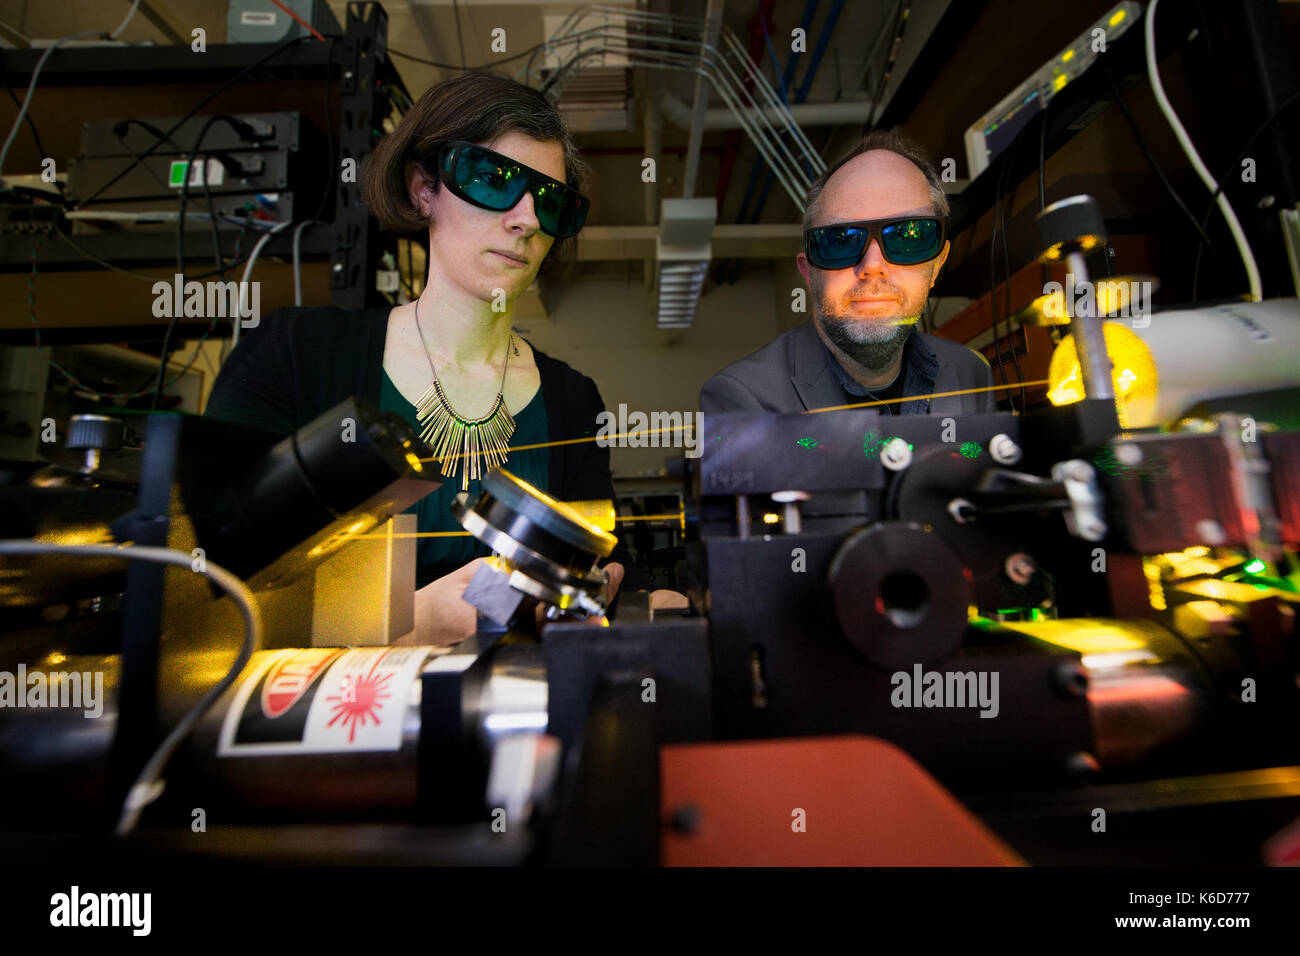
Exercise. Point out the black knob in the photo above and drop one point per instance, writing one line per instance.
(95, 431)
(1071, 225)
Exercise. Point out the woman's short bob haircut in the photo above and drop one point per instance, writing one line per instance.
(477, 107)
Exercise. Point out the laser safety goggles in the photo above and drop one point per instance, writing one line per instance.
(903, 242)
(491, 181)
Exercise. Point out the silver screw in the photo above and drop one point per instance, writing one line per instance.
(960, 508)
(1128, 454)
(1020, 567)
(896, 455)
(1004, 450)
(1093, 530)
(785, 497)
(1081, 471)
(1211, 532)
(1082, 764)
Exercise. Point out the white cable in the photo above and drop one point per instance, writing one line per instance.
(31, 87)
(297, 264)
(148, 785)
(1238, 236)
(248, 271)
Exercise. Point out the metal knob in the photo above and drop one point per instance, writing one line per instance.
(1069, 230)
(95, 434)
(1071, 225)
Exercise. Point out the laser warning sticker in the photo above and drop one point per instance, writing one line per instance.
(322, 700)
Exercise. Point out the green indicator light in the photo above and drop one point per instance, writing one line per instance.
(1255, 567)
(807, 442)
(176, 175)
(871, 444)
(970, 449)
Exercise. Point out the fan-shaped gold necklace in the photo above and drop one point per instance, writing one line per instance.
(481, 442)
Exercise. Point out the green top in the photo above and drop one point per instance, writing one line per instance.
(435, 557)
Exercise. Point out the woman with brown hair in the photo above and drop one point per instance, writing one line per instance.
(486, 166)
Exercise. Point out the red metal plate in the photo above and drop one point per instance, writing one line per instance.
(864, 802)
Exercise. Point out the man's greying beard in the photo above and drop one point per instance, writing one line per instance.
(874, 343)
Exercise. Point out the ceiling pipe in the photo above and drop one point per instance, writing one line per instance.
(654, 139)
(712, 27)
(757, 41)
(672, 43)
(805, 114)
(729, 268)
(802, 94)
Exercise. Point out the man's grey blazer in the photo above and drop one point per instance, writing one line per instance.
(792, 373)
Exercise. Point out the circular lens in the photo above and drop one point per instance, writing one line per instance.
(549, 206)
(911, 241)
(565, 210)
(838, 247)
(494, 185)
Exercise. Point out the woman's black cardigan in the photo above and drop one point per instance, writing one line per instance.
(297, 364)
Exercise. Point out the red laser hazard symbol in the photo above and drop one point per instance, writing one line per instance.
(359, 700)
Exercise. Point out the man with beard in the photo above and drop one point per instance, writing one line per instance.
(874, 241)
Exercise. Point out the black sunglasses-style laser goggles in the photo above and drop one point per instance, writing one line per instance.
(908, 241)
(491, 181)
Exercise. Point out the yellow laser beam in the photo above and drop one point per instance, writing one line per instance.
(460, 534)
(417, 534)
(811, 411)
(909, 398)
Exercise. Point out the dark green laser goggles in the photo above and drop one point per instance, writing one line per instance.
(491, 181)
(903, 242)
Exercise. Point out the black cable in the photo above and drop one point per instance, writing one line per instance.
(120, 130)
(1006, 265)
(460, 40)
(332, 157)
(212, 220)
(451, 66)
(44, 195)
(1004, 183)
(1146, 151)
(148, 169)
(993, 280)
(31, 125)
(244, 132)
(202, 103)
(104, 262)
(231, 167)
(891, 54)
(1228, 171)
(86, 253)
(1042, 158)
(76, 382)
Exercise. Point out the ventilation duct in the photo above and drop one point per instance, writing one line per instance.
(684, 249)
